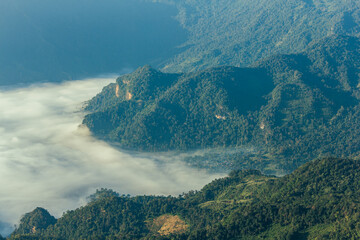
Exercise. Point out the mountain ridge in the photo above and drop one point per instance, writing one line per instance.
(253, 30)
(284, 105)
(190, 35)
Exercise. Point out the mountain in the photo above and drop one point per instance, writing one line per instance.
(317, 201)
(239, 33)
(289, 108)
(35, 221)
(160, 111)
(65, 40)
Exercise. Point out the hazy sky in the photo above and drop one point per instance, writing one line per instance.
(48, 160)
(44, 40)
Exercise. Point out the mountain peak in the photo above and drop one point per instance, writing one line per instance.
(144, 69)
(35, 221)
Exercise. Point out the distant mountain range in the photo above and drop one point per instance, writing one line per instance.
(64, 40)
(320, 200)
(43, 41)
(291, 108)
(239, 33)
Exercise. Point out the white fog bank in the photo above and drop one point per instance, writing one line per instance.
(48, 160)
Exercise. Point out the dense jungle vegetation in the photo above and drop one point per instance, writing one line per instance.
(320, 200)
(288, 109)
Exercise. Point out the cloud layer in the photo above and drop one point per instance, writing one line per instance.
(47, 159)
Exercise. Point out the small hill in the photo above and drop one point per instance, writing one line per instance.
(35, 222)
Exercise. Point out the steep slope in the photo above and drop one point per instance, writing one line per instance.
(35, 222)
(290, 108)
(197, 110)
(317, 201)
(314, 107)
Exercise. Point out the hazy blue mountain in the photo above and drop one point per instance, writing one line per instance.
(48, 41)
(317, 201)
(62, 40)
(291, 108)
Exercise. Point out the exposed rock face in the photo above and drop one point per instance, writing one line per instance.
(117, 91)
(129, 96)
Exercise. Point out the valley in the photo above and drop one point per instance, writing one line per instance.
(216, 119)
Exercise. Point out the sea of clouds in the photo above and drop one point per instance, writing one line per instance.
(48, 159)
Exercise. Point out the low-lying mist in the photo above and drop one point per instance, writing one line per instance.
(47, 159)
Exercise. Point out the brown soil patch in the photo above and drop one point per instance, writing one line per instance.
(169, 224)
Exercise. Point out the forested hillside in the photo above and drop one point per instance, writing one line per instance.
(317, 201)
(288, 108)
(230, 86)
(238, 33)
